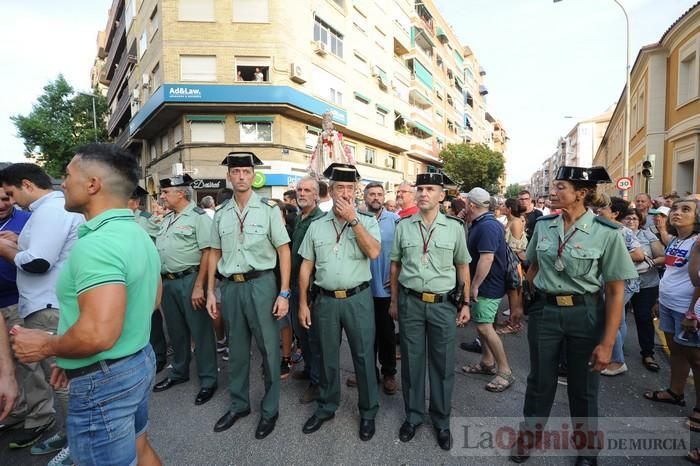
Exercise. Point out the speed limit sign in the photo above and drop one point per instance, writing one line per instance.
(624, 183)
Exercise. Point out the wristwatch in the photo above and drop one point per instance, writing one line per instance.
(354, 222)
(285, 294)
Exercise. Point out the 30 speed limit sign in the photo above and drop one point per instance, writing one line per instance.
(624, 183)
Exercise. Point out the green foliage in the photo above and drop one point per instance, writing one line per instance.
(60, 121)
(471, 165)
(513, 189)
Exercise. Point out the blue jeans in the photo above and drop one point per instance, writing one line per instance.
(108, 410)
(617, 354)
(307, 338)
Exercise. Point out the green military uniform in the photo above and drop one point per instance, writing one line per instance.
(343, 271)
(145, 221)
(248, 239)
(433, 276)
(180, 242)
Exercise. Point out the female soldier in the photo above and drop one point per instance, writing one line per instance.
(569, 253)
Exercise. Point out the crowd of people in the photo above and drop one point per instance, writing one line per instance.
(89, 319)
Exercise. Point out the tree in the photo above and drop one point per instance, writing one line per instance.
(513, 189)
(59, 122)
(471, 165)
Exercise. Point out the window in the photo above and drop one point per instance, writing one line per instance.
(359, 21)
(164, 143)
(196, 10)
(351, 149)
(143, 43)
(198, 68)
(689, 72)
(255, 69)
(156, 77)
(153, 25)
(328, 86)
(177, 134)
(250, 11)
(152, 150)
(641, 110)
(129, 13)
(207, 131)
(381, 116)
(311, 137)
(370, 155)
(391, 162)
(360, 64)
(255, 132)
(329, 36)
(633, 113)
(381, 38)
(361, 105)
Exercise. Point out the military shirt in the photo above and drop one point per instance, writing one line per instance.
(300, 228)
(447, 247)
(182, 237)
(248, 239)
(145, 221)
(343, 267)
(595, 250)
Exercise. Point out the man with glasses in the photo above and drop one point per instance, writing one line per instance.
(406, 199)
(542, 205)
(531, 214)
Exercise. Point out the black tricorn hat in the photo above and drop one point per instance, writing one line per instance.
(439, 179)
(592, 175)
(138, 192)
(175, 181)
(342, 172)
(241, 159)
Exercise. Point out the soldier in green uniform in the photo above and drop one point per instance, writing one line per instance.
(144, 219)
(570, 255)
(429, 260)
(340, 246)
(183, 245)
(247, 238)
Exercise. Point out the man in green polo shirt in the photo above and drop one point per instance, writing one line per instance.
(106, 290)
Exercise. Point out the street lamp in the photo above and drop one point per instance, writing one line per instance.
(94, 112)
(626, 143)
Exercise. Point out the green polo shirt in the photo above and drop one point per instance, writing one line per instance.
(447, 247)
(346, 267)
(300, 228)
(182, 237)
(595, 250)
(248, 239)
(111, 248)
(146, 221)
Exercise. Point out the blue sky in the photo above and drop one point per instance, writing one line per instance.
(543, 60)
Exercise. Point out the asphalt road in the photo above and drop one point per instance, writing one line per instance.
(182, 433)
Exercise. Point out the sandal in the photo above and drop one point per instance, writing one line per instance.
(650, 364)
(693, 456)
(677, 400)
(496, 386)
(509, 329)
(480, 368)
(693, 423)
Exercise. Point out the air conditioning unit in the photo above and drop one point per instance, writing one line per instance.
(135, 94)
(373, 70)
(296, 73)
(320, 48)
(146, 80)
(131, 58)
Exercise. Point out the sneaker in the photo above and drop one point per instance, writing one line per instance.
(297, 357)
(7, 427)
(310, 394)
(613, 372)
(473, 347)
(562, 380)
(62, 459)
(285, 368)
(56, 442)
(224, 357)
(221, 345)
(29, 437)
(506, 312)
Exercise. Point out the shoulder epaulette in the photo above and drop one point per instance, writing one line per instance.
(606, 222)
(452, 217)
(365, 213)
(145, 214)
(547, 217)
(403, 218)
(269, 202)
(199, 210)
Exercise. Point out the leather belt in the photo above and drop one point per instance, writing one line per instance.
(343, 294)
(431, 298)
(176, 275)
(567, 300)
(244, 277)
(94, 367)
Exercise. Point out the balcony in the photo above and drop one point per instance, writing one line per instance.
(122, 65)
(402, 39)
(121, 113)
(116, 48)
(417, 96)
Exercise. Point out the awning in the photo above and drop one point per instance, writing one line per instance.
(220, 118)
(419, 96)
(459, 59)
(459, 80)
(441, 34)
(420, 32)
(383, 108)
(361, 96)
(254, 119)
(483, 90)
(404, 116)
(422, 73)
(382, 75)
(422, 127)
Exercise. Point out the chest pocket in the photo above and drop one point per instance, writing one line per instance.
(580, 262)
(254, 234)
(226, 233)
(353, 249)
(443, 254)
(184, 233)
(545, 248)
(323, 249)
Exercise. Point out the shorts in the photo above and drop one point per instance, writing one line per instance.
(485, 310)
(670, 322)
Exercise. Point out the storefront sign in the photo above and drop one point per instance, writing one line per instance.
(206, 183)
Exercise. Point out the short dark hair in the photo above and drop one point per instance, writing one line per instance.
(458, 205)
(290, 193)
(514, 207)
(525, 191)
(618, 206)
(118, 160)
(372, 185)
(223, 195)
(15, 173)
(322, 188)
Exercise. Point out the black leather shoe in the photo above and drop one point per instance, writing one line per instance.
(204, 395)
(473, 347)
(228, 419)
(586, 461)
(519, 453)
(444, 438)
(314, 423)
(265, 427)
(407, 431)
(167, 383)
(366, 429)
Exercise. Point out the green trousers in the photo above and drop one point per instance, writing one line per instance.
(247, 311)
(549, 326)
(355, 315)
(427, 329)
(185, 324)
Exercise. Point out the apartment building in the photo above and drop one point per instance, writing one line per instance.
(191, 80)
(664, 114)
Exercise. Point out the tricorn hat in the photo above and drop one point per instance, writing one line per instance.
(439, 179)
(138, 192)
(592, 175)
(175, 181)
(342, 172)
(241, 159)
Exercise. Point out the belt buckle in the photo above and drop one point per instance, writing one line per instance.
(340, 294)
(428, 297)
(238, 277)
(170, 276)
(565, 301)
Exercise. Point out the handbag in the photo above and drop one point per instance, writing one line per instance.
(645, 265)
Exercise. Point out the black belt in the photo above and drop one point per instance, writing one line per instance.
(431, 298)
(566, 300)
(176, 275)
(94, 367)
(342, 294)
(244, 277)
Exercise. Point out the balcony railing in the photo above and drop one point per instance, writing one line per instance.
(116, 45)
(119, 111)
(116, 80)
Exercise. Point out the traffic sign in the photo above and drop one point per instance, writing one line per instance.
(624, 183)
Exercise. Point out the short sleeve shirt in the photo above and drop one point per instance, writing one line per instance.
(342, 267)
(446, 248)
(146, 221)
(103, 256)
(487, 236)
(248, 239)
(182, 237)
